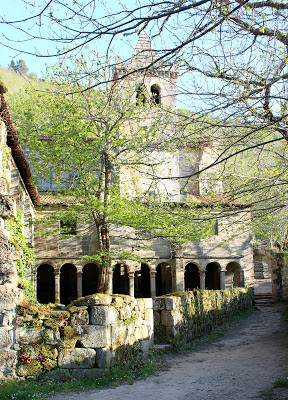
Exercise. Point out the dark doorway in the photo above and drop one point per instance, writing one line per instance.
(142, 282)
(191, 277)
(212, 280)
(163, 279)
(68, 284)
(90, 279)
(120, 279)
(45, 284)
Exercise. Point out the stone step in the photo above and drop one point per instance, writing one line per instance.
(264, 300)
(163, 347)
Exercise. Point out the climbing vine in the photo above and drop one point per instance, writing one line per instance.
(25, 263)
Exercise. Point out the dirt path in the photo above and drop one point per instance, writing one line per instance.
(238, 366)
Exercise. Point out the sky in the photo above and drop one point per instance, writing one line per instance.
(15, 38)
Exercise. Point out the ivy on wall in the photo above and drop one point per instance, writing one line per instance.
(24, 264)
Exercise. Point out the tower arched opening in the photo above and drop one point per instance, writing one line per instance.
(163, 279)
(156, 94)
(191, 277)
(90, 279)
(212, 279)
(45, 284)
(68, 284)
(120, 279)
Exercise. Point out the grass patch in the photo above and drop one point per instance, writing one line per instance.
(125, 372)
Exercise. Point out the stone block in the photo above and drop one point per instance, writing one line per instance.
(146, 345)
(6, 337)
(8, 359)
(93, 336)
(172, 302)
(99, 315)
(77, 358)
(29, 335)
(79, 317)
(52, 336)
(158, 304)
(125, 312)
(148, 303)
(33, 368)
(8, 274)
(104, 357)
(148, 315)
(94, 300)
(167, 318)
(157, 318)
(10, 296)
(6, 318)
(7, 206)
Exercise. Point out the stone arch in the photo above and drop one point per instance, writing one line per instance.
(233, 275)
(68, 283)
(212, 278)
(45, 287)
(156, 94)
(163, 279)
(140, 95)
(90, 279)
(120, 279)
(191, 276)
(142, 281)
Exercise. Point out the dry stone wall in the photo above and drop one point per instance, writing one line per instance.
(91, 334)
(187, 315)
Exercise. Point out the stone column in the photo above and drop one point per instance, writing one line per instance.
(222, 280)
(153, 283)
(57, 285)
(202, 279)
(34, 279)
(131, 284)
(109, 280)
(79, 283)
(180, 287)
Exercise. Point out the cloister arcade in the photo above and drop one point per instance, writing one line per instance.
(73, 279)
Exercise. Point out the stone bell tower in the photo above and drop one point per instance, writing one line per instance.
(154, 80)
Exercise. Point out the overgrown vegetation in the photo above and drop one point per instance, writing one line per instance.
(131, 369)
(26, 262)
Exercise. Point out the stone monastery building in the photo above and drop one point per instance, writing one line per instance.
(222, 261)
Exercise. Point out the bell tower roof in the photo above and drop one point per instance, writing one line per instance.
(143, 53)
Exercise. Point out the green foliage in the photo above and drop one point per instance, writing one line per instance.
(97, 148)
(26, 263)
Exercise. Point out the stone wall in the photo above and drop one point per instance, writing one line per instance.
(92, 333)
(188, 315)
(10, 295)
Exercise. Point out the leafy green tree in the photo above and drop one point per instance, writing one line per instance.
(99, 145)
(19, 67)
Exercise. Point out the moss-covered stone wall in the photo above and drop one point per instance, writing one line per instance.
(187, 315)
(90, 334)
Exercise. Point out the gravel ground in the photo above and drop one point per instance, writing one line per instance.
(240, 365)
